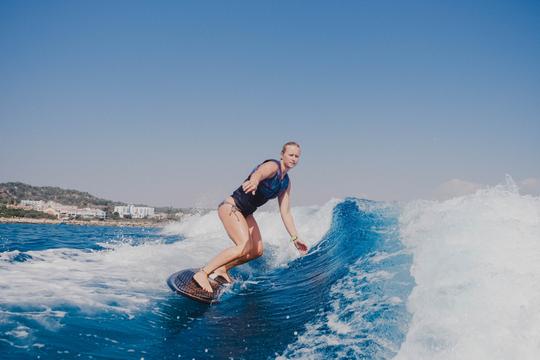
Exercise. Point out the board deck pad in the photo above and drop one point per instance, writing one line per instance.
(182, 283)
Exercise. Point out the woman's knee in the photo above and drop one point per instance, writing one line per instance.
(250, 253)
(244, 251)
(257, 251)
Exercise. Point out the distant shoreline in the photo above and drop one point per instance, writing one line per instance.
(136, 223)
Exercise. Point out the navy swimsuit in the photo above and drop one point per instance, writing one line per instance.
(268, 189)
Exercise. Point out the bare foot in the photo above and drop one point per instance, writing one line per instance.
(224, 274)
(201, 279)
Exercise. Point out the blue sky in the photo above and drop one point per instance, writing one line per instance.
(172, 103)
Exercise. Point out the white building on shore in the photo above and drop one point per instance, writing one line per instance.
(136, 212)
(62, 211)
(89, 213)
(38, 205)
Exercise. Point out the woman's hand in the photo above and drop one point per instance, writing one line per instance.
(250, 186)
(301, 246)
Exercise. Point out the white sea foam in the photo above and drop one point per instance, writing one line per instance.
(476, 263)
(126, 277)
(312, 223)
(19, 332)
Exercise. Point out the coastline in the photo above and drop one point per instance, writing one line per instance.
(120, 223)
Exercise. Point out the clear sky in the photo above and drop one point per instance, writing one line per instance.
(174, 102)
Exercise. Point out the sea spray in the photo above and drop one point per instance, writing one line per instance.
(127, 274)
(311, 221)
(477, 269)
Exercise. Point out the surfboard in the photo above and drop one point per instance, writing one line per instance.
(182, 283)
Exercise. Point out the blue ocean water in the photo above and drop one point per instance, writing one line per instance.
(61, 300)
(380, 281)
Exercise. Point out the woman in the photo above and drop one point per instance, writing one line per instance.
(269, 180)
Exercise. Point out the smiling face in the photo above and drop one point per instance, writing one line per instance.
(290, 156)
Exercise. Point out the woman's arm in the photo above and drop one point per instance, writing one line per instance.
(265, 171)
(288, 221)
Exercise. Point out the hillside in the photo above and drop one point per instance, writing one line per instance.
(13, 192)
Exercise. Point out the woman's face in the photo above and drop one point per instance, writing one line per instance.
(291, 156)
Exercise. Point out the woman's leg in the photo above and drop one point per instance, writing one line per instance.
(237, 228)
(256, 248)
(256, 239)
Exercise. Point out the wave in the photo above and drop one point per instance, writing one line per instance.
(476, 267)
(423, 280)
(352, 242)
(363, 314)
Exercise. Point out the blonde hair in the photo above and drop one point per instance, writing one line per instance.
(287, 144)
